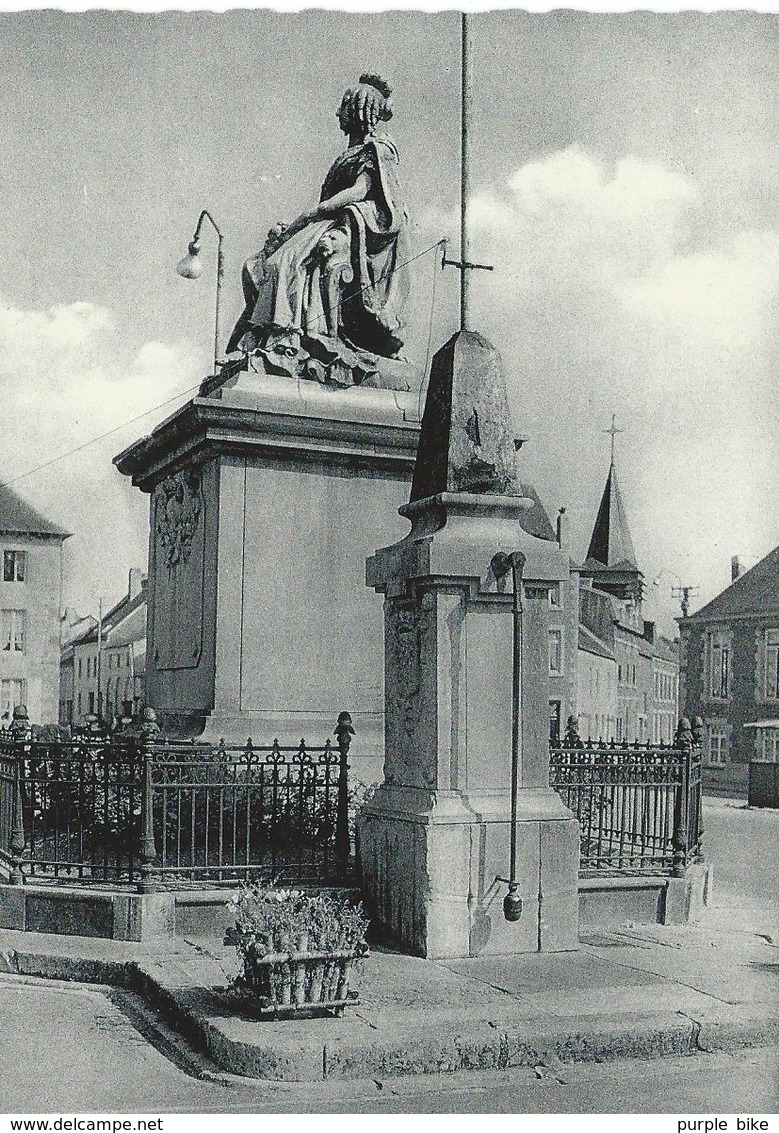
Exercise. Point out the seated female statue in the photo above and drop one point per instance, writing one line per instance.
(338, 271)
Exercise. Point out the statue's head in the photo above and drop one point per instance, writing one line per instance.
(364, 106)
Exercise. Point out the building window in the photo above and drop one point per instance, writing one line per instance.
(14, 625)
(79, 668)
(14, 563)
(12, 692)
(718, 746)
(554, 595)
(772, 664)
(555, 651)
(771, 745)
(91, 703)
(619, 674)
(719, 665)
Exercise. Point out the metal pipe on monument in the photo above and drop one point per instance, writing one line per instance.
(515, 562)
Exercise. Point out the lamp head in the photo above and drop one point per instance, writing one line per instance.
(191, 266)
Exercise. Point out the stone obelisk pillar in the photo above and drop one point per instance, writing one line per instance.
(436, 838)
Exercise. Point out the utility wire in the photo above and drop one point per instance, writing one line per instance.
(94, 440)
(162, 404)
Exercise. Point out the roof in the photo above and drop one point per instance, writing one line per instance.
(17, 517)
(754, 592)
(665, 650)
(535, 520)
(611, 545)
(592, 644)
(115, 617)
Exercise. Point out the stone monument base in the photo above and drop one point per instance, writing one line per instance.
(430, 866)
(266, 497)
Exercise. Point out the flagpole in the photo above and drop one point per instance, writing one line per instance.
(465, 89)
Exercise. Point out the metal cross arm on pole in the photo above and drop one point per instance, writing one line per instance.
(464, 265)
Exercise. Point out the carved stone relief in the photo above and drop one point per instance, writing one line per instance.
(177, 513)
(403, 690)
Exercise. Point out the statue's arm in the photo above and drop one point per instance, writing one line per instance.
(359, 191)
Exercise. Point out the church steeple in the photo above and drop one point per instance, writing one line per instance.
(611, 558)
(611, 544)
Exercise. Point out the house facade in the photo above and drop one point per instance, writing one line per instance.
(104, 668)
(608, 667)
(730, 674)
(30, 600)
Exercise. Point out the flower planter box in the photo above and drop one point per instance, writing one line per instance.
(297, 983)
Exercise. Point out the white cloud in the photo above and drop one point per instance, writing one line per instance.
(572, 180)
(613, 293)
(64, 382)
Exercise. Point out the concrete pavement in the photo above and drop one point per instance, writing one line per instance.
(640, 991)
(635, 991)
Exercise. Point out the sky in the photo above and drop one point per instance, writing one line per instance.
(623, 184)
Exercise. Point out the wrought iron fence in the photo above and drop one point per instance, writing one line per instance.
(148, 812)
(639, 808)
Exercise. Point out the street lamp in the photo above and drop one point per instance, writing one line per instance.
(191, 267)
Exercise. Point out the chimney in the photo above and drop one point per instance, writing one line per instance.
(735, 568)
(562, 529)
(135, 582)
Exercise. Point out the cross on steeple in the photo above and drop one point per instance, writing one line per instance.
(613, 431)
(463, 265)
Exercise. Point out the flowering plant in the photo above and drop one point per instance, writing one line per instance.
(296, 948)
(287, 920)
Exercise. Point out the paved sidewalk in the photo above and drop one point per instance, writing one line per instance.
(640, 991)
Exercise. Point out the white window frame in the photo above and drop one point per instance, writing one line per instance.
(13, 691)
(17, 560)
(719, 645)
(13, 631)
(770, 745)
(771, 664)
(556, 633)
(717, 747)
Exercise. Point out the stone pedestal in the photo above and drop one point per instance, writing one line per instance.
(436, 837)
(266, 496)
(435, 841)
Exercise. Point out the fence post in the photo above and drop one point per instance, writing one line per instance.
(343, 732)
(680, 840)
(697, 744)
(148, 848)
(20, 732)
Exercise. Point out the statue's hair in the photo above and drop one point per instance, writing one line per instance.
(369, 103)
(380, 84)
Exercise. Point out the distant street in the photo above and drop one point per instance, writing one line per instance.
(743, 846)
(80, 1049)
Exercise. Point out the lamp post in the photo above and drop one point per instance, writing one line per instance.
(191, 267)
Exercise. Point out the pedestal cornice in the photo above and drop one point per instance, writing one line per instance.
(456, 536)
(279, 420)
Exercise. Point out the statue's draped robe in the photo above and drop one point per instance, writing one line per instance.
(283, 290)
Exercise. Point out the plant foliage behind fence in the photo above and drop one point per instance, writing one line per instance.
(145, 811)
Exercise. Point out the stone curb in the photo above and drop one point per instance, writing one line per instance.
(394, 1051)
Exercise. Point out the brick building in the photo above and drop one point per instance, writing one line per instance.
(730, 673)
